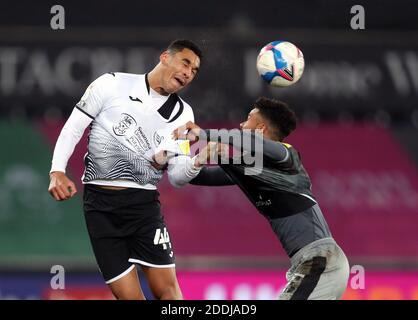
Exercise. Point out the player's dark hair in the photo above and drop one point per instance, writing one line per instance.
(281, 119)
(180, 44)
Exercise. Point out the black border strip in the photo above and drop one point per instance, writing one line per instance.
(85, 113)
(146, 82)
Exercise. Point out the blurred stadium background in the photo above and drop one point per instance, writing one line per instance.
(358, 136)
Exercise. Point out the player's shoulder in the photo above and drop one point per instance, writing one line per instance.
(293, 152)
(119, 77)
(123, 78)
(121, 81)
(103, 82)
(287, 145)
(185, 104)
(187, 109)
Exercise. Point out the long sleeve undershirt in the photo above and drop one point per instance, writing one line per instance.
(272, 151)
(212, 176)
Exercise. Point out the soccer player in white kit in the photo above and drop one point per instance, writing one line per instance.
(131, 116)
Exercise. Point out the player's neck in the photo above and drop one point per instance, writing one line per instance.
(270, 136)
(154, 83)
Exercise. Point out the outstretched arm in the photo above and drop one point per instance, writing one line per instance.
(241, 140)
(249, 141)
(182, 169)
(212, 176)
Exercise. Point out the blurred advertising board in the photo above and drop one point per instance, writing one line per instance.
(266, 285)
(211, 285)
(360, 74)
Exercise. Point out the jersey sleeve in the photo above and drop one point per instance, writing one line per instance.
(181, 170)
(212, 176)
(248, 141)
(96, 95)
(69, 137)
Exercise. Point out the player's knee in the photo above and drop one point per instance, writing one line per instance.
(171, 292)
(127, 291)
(128, 295)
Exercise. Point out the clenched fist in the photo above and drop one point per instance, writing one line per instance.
(60, 187)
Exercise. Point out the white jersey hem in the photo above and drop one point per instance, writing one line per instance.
(122, 184)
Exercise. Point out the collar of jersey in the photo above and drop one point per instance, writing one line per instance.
(167, 108)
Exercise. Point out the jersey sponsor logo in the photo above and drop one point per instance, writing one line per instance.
(123, 125)
(140, 141)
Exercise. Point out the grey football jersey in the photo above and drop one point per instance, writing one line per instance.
(281, 190)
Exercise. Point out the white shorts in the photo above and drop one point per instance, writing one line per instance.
(319, 271)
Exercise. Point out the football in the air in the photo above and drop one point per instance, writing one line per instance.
(280, 63)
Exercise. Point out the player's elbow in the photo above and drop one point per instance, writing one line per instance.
(176, 182)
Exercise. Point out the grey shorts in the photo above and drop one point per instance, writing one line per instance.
(319, 271)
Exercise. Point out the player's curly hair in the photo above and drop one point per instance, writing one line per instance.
(280, 117)
(180, 44)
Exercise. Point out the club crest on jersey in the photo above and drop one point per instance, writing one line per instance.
(124, 124)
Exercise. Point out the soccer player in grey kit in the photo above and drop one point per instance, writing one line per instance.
(281, 191)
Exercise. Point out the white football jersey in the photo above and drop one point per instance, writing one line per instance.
(130, 120)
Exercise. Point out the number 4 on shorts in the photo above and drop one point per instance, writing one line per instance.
(162, 238)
